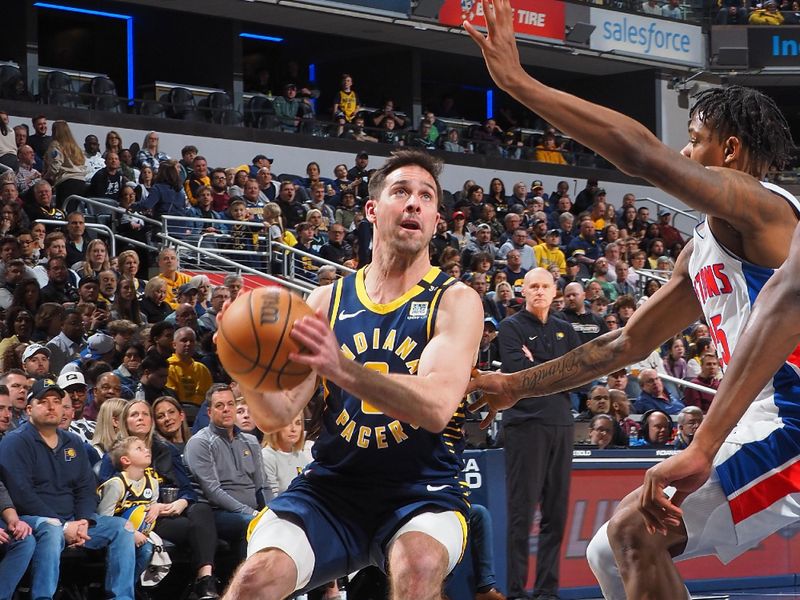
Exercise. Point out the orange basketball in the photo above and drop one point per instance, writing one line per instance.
(253, 339)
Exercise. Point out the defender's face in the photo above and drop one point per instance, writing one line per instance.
(704, 147)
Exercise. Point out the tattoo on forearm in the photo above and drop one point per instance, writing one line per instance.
(580, 366)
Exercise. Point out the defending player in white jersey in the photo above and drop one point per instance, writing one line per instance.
(736, 135)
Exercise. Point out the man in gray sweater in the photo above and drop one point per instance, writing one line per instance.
(226, 465)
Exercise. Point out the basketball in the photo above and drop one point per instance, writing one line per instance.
(136, 515)
(253, 339)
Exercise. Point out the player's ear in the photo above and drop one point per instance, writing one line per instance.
(369, 210)
(732, 150)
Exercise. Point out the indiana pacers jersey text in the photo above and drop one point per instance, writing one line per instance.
(357, 439)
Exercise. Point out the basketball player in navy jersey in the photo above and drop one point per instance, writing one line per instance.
(736, 135)
(393, 345)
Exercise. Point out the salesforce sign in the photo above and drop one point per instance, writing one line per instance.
(655, 39)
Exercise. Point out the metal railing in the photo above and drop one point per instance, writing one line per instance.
(687, 214)
(688, 384)
(272, 249)
(105, 229)
(105, 205)
(295, 285)
(314, 258)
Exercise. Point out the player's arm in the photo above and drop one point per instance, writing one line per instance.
(772, 333)
(273, 410)
(671, 309)
(427, 399)
(631, 147)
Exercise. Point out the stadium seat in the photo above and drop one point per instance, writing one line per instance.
(259, 112)
(9, 76)
(180, 102)
(59, 89)
(219, 108)
(103, 94)
(152, 108)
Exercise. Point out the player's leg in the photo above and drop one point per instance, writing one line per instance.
(422, 552)
(645, 560)
(266, 575)
(280, 560)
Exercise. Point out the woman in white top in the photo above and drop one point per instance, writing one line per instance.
(284, 455)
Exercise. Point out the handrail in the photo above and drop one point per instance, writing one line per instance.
(678, 211)
(99, 226)
(259, 224)
(5, 169)
(222, 259)
(650, 274)
(314, 257)
(133, 242)
(689, 384)
(112, 208)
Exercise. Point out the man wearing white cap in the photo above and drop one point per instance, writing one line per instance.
(36, 361)
(74, 385)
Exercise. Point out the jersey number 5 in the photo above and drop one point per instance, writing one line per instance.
(720, 340)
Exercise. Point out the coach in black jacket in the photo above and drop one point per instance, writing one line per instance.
(538, 435)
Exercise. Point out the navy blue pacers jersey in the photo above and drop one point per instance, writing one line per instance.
(359, 441)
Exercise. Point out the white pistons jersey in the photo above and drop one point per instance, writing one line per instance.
(759, 465)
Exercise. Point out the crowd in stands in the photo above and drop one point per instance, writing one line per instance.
(769, 12)
(92, 345)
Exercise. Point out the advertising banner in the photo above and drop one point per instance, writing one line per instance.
(532, 18)
(774, 46)
(655, 39)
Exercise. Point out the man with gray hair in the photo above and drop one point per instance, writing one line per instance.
(326, 275)
(234, 283)
(208, 320)
(689, 419)
(27, 173)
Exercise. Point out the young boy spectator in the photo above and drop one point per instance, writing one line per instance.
(132, 494)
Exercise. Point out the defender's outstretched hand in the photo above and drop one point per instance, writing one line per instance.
(495, 396)
(499, 46)
(686, 472)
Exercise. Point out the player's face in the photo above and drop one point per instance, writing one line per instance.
(704, 147)
(406, 213)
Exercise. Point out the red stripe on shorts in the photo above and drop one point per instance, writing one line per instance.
(765, 493)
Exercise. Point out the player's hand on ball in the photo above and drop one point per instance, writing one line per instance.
(495, 395)
(320, 349)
